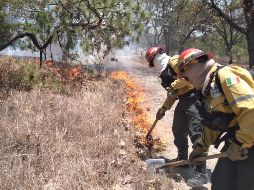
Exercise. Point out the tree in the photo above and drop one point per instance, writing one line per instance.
(5, 27)
(247, 29)
(229, 35)
(93, 25)
(177, 21)
(153, 33)
(191, 21)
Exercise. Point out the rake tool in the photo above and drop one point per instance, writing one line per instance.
(184, 162)
(150, 130)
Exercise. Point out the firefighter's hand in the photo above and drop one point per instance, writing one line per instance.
(198, 151)
(236, 152)
(160, 113)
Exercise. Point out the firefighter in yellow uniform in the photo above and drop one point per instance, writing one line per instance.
(187, 121)
(228, 94)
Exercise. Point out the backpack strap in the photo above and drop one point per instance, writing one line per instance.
(218, 83)
(217, 80)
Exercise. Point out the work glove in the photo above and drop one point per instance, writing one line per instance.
(236, 152)
(198, 150)
(160, 113)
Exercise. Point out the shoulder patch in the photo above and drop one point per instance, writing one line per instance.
(232, 80)
(214, 90)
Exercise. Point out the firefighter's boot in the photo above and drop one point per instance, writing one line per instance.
(183, 155)
(200, 177)
(180, 156)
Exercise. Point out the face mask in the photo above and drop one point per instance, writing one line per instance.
(197, 73)
(161, 61)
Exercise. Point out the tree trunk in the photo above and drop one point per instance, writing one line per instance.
(229, 54)
(250, 42)
(167, 43)
(230, 59)
(248, 6)
(40, 58)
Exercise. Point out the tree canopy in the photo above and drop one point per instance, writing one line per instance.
(93, 25)
(99, 25)
(224, 27)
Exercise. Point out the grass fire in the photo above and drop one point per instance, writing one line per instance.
(73, 139)
(135, 98)
(135, 105)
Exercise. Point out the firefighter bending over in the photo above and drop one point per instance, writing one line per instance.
(187, 121)
(228, 95)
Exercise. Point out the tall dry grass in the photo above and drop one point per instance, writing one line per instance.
(59, 142)
(69, 141)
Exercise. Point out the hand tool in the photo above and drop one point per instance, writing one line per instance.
(199, 159)
(151, 129)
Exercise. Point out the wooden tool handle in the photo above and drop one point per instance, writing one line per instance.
(151, 129)
(199, 159)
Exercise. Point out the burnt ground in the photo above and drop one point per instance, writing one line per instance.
(148, 79)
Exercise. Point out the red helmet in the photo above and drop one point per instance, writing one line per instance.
(187, 56)
(151, 52)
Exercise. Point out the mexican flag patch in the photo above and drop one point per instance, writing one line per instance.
(232, 80)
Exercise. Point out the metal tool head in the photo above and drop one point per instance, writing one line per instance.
(153, 164)
(149, 138)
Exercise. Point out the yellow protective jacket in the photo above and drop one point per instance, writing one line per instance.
(177, 88)
(238, 98)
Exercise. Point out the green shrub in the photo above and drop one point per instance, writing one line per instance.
(24, 75)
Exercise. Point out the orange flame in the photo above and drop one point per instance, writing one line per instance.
(135, 99)
(49, 63)
(74, 72)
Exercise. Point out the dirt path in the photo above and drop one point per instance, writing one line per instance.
(147, 78)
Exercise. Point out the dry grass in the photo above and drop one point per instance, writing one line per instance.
(74, 141)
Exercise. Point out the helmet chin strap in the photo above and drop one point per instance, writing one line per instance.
(161, 61)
